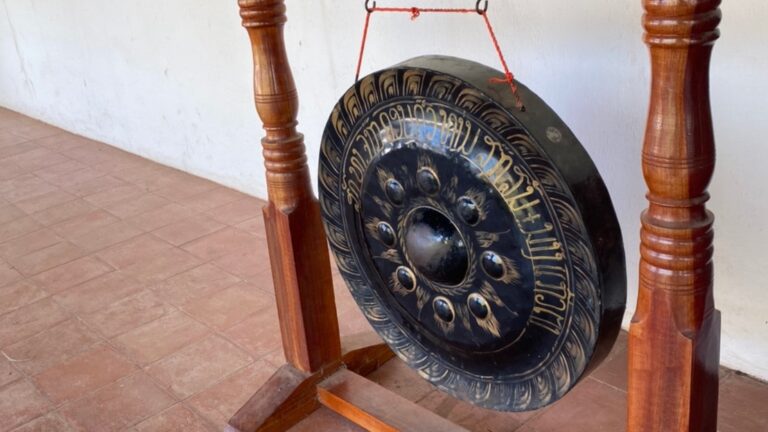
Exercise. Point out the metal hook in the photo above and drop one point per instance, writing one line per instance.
(477, 7)
(370, 9)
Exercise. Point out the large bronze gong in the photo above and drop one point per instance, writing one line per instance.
(478, 239)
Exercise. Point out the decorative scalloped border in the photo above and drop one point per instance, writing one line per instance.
(561, 370)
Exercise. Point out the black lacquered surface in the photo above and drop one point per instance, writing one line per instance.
(478, 240)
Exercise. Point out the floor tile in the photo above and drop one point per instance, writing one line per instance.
(743, 405)
(24, 187)
(157, 339)
(9, 170)
(62, 142)
(117, 194)
(246, 265)
(199, 282)
(56, 344)
(258, 334)
(209, 199)
(398, 377)
(184, 186)
(160, 217)
(223, 242)
(325, 420)
(83, 224)
(63, 212)
(605, 411)
(36, 129)
(29, 320)
(17, 228)
(178, 418)
(8, 139)
(9, 212)
(168, 263)
(51, 422)
(254, 226)
(7, 372)
(70, 274)
(352, 321)
(11, 150)
(94, 185)
(140, 174)
(83, 373)
(136, 206)
(613, 370)
(118, 405)
(29, 243)
(20, 402)
(469, 416)
(229, 306)
(198, 366)
(219, 402)
(97, 155)
(237, 211)
(188, 229)
(47, 258)
(79, 176)
(19, 294)
(98, 293)
(127, 314)
(44, 201)
(55, 173)
(37, 159)
(102, 237)
(8, 274)
(133, 251)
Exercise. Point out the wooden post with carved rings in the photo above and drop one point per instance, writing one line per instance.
(321, 369)
(299, 256)
(675, 333)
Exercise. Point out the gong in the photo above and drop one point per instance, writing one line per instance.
(477, 238)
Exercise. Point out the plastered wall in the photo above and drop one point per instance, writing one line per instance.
(170, 80)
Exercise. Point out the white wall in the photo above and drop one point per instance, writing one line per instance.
(170, 80)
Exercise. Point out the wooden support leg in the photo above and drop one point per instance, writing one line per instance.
(297, 245)
(675, 333)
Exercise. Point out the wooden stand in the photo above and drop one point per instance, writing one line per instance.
(318, 371)
(674, 340)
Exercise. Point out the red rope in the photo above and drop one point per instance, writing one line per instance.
(362, 45)
(415, 12)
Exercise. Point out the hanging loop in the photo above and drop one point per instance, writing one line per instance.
(370, 9)
(477, 7)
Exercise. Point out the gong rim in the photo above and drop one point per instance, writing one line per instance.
(598, 296)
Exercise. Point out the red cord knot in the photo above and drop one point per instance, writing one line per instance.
(415, 12)
(508, 78)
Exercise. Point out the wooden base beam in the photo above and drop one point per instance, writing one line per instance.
(290, 394)
(375, 408)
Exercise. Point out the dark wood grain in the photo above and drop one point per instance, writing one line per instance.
(297, 245)
(675, 332)
(286, 398)
(375, 408)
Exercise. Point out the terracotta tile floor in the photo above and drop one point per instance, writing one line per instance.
(137, 297)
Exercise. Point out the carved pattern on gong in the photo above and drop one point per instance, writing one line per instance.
(436, 119)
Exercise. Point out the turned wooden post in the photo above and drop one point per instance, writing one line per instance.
(297, 245)
(675, 333)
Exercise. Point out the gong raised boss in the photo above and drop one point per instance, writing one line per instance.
(489, 265)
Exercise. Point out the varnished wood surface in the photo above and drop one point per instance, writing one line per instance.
(375, 408)
(291, 394)
(297, 245)
(287, 397)
(674, 336)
